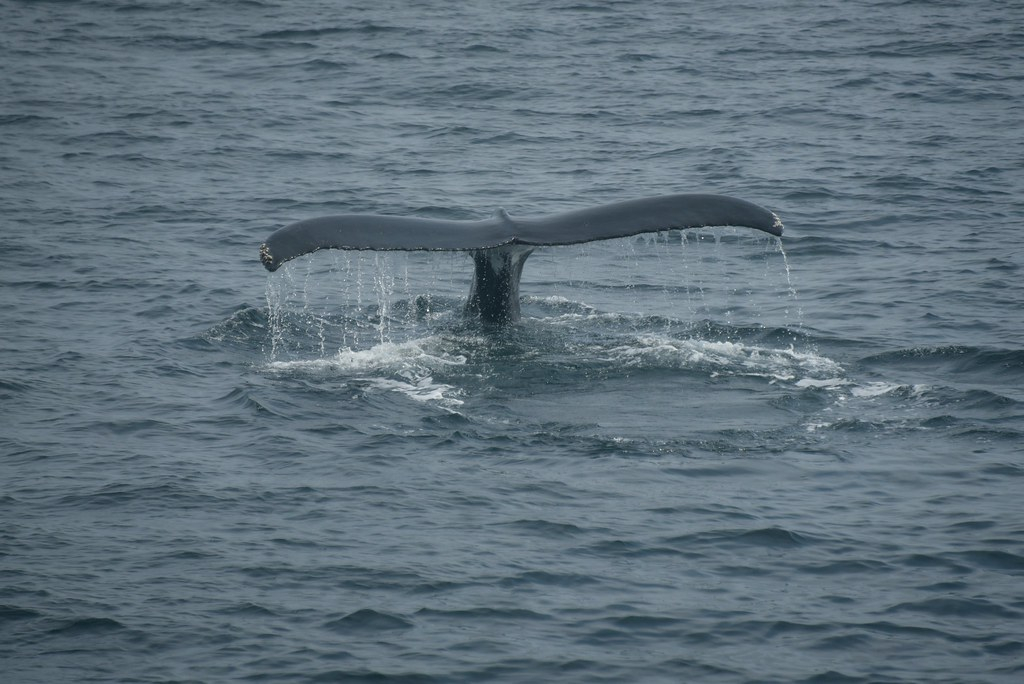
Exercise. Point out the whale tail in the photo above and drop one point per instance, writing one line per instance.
(501, 244)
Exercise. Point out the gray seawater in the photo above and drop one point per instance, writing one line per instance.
(708, 456)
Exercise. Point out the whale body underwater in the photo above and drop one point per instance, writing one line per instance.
(500, 244)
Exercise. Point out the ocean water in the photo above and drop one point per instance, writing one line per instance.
(708, 456)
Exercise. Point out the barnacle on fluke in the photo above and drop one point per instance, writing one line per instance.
(266, 257)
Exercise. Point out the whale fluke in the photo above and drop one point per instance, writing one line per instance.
(500, 244)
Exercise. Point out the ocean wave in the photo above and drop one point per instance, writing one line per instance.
(955, 359)
(87, 626)
(176, 495)
(962, 608)
(247, 325)
(9, 613)
(326, 31)
(768, 537)
(249, 400)
(484, 614)
(367, 621)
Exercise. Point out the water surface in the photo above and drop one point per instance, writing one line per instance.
(703, 456)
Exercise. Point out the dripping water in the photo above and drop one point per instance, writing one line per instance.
(341, 300)
(335, 301)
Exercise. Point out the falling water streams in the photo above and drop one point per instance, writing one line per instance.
(327, 295)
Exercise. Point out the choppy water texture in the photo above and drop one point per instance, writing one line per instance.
(708, 456)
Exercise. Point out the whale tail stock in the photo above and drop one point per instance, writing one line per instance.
(501, 244)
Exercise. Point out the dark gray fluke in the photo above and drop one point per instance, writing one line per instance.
(500, 244)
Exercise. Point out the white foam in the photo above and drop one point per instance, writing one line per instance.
(383, 356)
(421, 389)
(405, 367)
(827, 383)
(731, 358)
(874, 389)
(553, 300)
